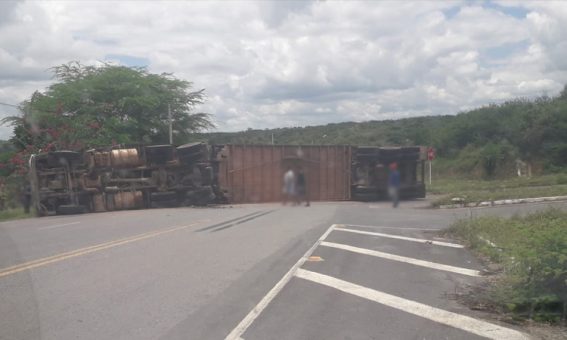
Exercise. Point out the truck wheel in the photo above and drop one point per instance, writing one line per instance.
(163, 196)
(71, 209)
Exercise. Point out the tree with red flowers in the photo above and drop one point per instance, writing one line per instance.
(91, 106)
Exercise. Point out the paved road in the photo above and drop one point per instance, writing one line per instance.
(237, 272)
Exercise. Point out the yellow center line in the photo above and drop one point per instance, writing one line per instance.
(87, 250)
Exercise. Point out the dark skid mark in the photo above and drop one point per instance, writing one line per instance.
(240, 222)
(229, 221)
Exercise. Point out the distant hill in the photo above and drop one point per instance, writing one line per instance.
(409, 131)
(486, 141)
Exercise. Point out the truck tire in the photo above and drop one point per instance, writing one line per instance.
(71, 209)
(163, 196)
(200, 196)
(167, 199)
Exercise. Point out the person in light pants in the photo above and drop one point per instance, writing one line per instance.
(289, 186)
(301, 188)
(394, 184)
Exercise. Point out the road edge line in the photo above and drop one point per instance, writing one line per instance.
(404, 238)
(396, 228)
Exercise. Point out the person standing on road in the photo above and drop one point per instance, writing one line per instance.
(301, 188)
(26, 198)
(289, 186)
(2, 196)
(394, 184)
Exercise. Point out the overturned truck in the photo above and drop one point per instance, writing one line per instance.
(118, 178)
(138, 177)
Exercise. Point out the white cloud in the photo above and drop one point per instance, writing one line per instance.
(272, 64)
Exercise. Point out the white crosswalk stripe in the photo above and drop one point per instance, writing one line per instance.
(422, 263)
(463, 322)
(458, 321)
(398, 237)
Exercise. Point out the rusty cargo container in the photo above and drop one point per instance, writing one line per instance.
(254, 173)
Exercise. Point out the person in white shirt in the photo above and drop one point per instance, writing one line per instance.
(289, 186)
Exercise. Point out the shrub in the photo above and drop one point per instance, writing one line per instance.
(533, 253)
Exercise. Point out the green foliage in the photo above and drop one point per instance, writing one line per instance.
(13, 214)
(7, 151)
(532, 251)
(500, 193)
(91, 106)
(453, 185)
(483, 142)
(474, 191)
(11, 187)
(411, 131)
(495, 155)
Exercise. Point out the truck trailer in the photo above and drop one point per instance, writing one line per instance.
(154, 176)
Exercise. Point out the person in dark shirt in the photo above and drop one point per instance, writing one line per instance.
(394, 184)
(301, 188)
(25, 198)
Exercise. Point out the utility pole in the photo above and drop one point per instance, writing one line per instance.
(430, 158)
(272, 139)
(170, 124)
(430, 162)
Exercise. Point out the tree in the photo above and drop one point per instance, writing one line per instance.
(100, 105)
(563, 94)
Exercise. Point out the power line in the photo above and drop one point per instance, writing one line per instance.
(19, 107)
(12, 105)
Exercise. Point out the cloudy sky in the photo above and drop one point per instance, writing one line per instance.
(273, 64)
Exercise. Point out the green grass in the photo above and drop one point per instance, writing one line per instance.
(532, 252)
(13, 214)
(488, 190)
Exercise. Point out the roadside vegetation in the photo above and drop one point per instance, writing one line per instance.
(530, 254)
(13, 214)
(476, 190)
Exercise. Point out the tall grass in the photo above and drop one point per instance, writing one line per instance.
(532, 251)
(13, 214)
(473, 191)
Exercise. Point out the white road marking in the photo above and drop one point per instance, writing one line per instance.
(253, 314)
(57, 225)
(383, 227)
(466, 323)
(422, 263)
(419, 240)
(87, 250)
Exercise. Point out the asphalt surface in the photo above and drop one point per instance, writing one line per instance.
(191, 273)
